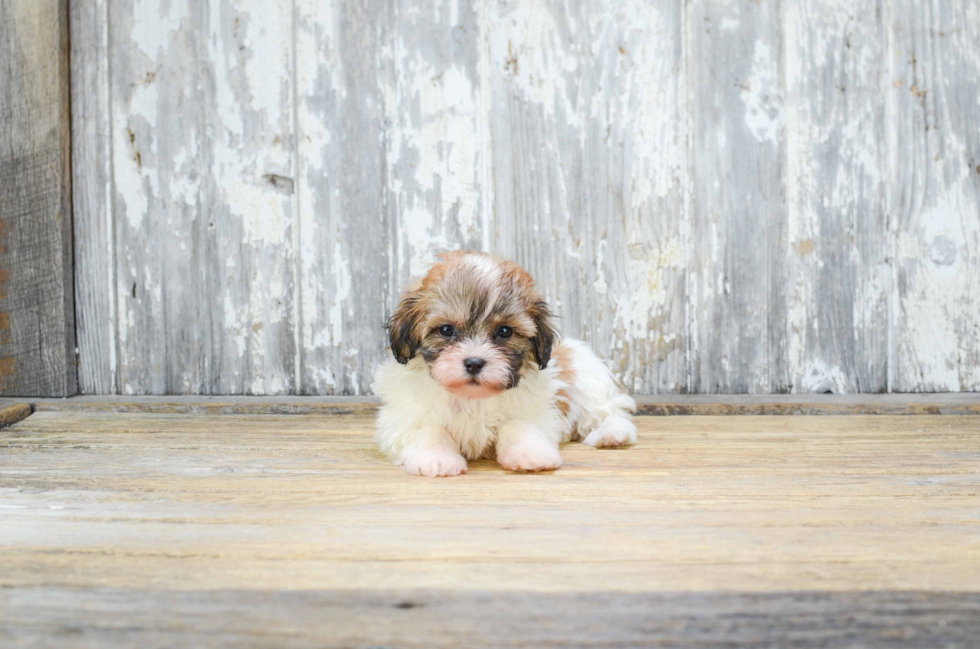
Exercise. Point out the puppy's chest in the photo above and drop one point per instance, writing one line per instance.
(474, 426)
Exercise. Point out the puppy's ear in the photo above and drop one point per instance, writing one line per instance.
(402, 329)
(546, 335)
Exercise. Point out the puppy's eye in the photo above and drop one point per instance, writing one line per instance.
(447, 330)
(504, 332)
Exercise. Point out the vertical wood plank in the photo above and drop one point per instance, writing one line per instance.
(738, 305)
(250, 148)
(837, 273)
(37, 316)
(591, 173)
(343, 246)
(160, 167)
(934, 195)
(436, 153)
(95, 285)
(203, 166)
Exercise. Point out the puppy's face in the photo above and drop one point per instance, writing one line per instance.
(477, 321)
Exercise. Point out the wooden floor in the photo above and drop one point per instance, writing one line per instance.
(149, 529)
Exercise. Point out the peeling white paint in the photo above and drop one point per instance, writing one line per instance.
(342, 287)
(566, 136)
(818, 377)
(762, 96)
(154, 22)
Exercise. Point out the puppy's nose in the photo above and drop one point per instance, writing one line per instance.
(474, 365)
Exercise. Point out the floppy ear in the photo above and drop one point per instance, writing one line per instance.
(546, 335)
(402, 327)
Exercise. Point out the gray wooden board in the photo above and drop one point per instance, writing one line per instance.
(37, 331)
(836, 254)
(780, 404)
(50, 617)
(933, 132)
(342, 244)
(720, 197)
(92, 197)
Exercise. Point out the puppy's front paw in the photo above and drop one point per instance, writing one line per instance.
(612, 432)
(529, 454)
(434, 464)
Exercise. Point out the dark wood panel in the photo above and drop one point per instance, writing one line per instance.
(49, 617)
(37, 330)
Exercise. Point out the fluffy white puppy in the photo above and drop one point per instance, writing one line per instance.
(471, 376)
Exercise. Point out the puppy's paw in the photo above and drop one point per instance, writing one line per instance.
(434, 464)
(529, 454)
(612, 432)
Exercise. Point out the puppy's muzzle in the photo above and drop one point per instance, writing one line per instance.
(474, 365)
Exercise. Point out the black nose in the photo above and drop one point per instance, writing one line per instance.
(474, 365)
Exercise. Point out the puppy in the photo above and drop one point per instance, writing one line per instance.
(478, 371)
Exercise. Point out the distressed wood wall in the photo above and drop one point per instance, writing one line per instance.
(37, 330)
(721, 195)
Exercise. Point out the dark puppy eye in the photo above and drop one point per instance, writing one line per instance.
(504, 332)
(447, 330)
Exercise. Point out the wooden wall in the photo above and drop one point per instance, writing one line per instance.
(37, 329)
(721, 195)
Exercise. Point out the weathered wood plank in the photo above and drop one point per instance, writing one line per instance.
(591, 173)
(761, 504)
(47, 617)
(436, 145)
(174, 530)
(738, 230)
(92, 179)
(714, 194)
(252, 230)
(203, 157)
(709, 405)
(160, 200)
(837, 247)
(343, 245)
(10, 415)
(37, 313)
(934, 193)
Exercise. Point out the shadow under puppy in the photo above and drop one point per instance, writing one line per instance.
(471, 376)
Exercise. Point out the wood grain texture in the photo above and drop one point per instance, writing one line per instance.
(590, 169)
(934, 202)
(11, 414)
(721, 197)
(436, 153)
(738, 224)
(250, 147)
(92, 178)
(174, 529)
(836, 251)
(47, 617)
(160, 196)
(37, 313)
(203, 158)
(684, 404)
(343, 246)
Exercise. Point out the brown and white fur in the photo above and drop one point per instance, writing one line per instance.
(511, 403)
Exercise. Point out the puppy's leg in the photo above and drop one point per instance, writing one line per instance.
(523, 446)
(431, 452)
(600, 409)
(614, 430)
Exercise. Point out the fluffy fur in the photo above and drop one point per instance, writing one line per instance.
(531, 393)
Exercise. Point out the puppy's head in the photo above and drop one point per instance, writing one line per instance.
(477, 321)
